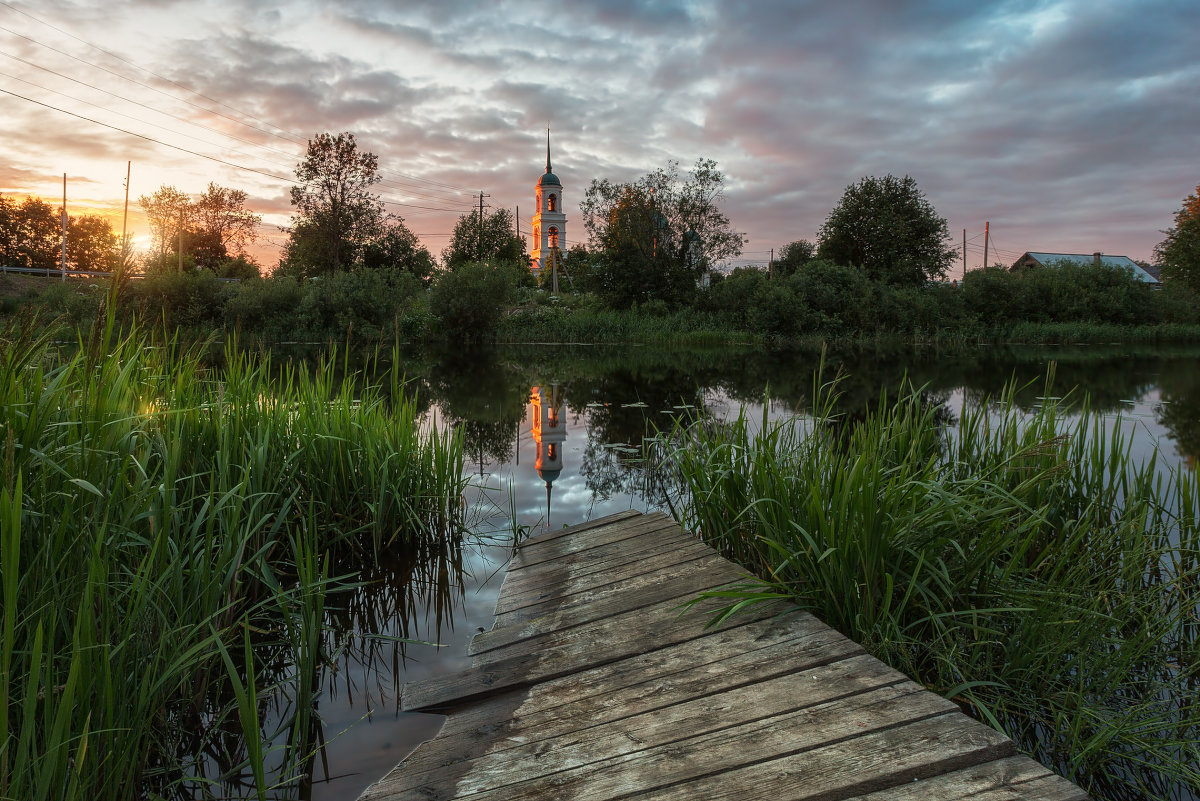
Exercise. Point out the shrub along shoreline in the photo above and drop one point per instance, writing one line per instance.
(1022, 565)
(820, 302)
(168, 540)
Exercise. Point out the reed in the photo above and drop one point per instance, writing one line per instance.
(1024, 565)
(168, 534)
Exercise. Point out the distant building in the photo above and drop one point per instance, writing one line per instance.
(549, 221)
(1032, 259)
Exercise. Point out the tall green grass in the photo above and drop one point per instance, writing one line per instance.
(1025, 566)
(169, 536)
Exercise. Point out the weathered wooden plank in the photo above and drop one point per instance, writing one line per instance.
(641, 574)
(1008, 779)
(599, 777)
(893, 757)
(705, 575)
(520, 665)
(718, 660)
(599, 537)
(530, 751)
(572, 575)
(591, 686)
(608, 520)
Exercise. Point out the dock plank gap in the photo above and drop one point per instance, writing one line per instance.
(597, 681)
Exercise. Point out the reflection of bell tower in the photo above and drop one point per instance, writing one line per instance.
(549, 432)
(549, 221)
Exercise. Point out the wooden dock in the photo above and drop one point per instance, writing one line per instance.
(594, 685)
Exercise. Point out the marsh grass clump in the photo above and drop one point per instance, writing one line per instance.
(1023, 565)
(170, 535)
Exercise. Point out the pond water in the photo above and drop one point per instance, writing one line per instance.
(553, 434)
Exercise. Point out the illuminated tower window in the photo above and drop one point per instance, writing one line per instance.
(553, 237)
(553, 204)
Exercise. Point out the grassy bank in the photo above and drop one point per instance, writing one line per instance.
(1020, 563)
(166, 536)
(369, 308)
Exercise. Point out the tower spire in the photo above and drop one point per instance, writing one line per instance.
(548, 149)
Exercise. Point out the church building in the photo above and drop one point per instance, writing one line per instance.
(549, 221)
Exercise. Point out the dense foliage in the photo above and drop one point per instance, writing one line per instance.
(1179, 253)
(886, 227)
(656, 237)
(1025, 565)
(31, 235)
(167, 544)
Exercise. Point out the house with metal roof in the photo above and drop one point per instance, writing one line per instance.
(1031, 259)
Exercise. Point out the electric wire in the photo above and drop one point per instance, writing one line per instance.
(199, 154)
(286, 135)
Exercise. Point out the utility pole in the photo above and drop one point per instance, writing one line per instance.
(986, 226)
(125, 218)
(481, 197)
(181, 239)
(771, 266)
(64, 229)
(964, 253)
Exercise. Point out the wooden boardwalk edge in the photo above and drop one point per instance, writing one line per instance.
(597, 684)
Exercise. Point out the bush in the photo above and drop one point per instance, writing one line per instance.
(179, 300)
(469, 301)
(359, 306)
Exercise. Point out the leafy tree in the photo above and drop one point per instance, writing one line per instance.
(470, 299)
(8, 231)
(165, 210)
(220, 214)
(794, 256)
(887, 228)
(659, 234)
(493, 240)
(337, 215)
(38, 238)
(1179, 253)
(91, 244)
(397, 247)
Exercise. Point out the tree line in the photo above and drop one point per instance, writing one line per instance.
(654, 244)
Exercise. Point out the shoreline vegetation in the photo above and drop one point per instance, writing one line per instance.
(172, 532)
(172, 540)
(367, 309)
(1018, 562)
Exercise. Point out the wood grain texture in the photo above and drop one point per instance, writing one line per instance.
(596, 683)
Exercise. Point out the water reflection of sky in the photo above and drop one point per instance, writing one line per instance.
(600, 416)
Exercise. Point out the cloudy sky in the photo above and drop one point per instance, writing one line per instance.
(1071, 126)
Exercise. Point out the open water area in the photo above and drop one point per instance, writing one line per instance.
(554, 435)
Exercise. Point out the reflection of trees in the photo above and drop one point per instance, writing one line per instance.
(483, 396)
(1180, 412)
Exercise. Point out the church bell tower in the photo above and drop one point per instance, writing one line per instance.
(549, 221)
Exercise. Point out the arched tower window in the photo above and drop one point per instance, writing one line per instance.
(553, 232)
(552, 204)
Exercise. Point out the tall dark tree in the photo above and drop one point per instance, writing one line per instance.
(397, 247)
(794, 256)
(220, 214)
(38, 234)
(1179, 253)
(8, 231)
(336, 212)
(495, 241)
(91, 244)
(886, 227)
(657, 236)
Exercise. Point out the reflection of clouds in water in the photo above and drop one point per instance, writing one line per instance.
(605, 412)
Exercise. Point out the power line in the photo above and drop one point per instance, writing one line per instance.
(197, 153)
(407, 190)
(293, 137)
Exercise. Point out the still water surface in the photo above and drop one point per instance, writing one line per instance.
(553, 437)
